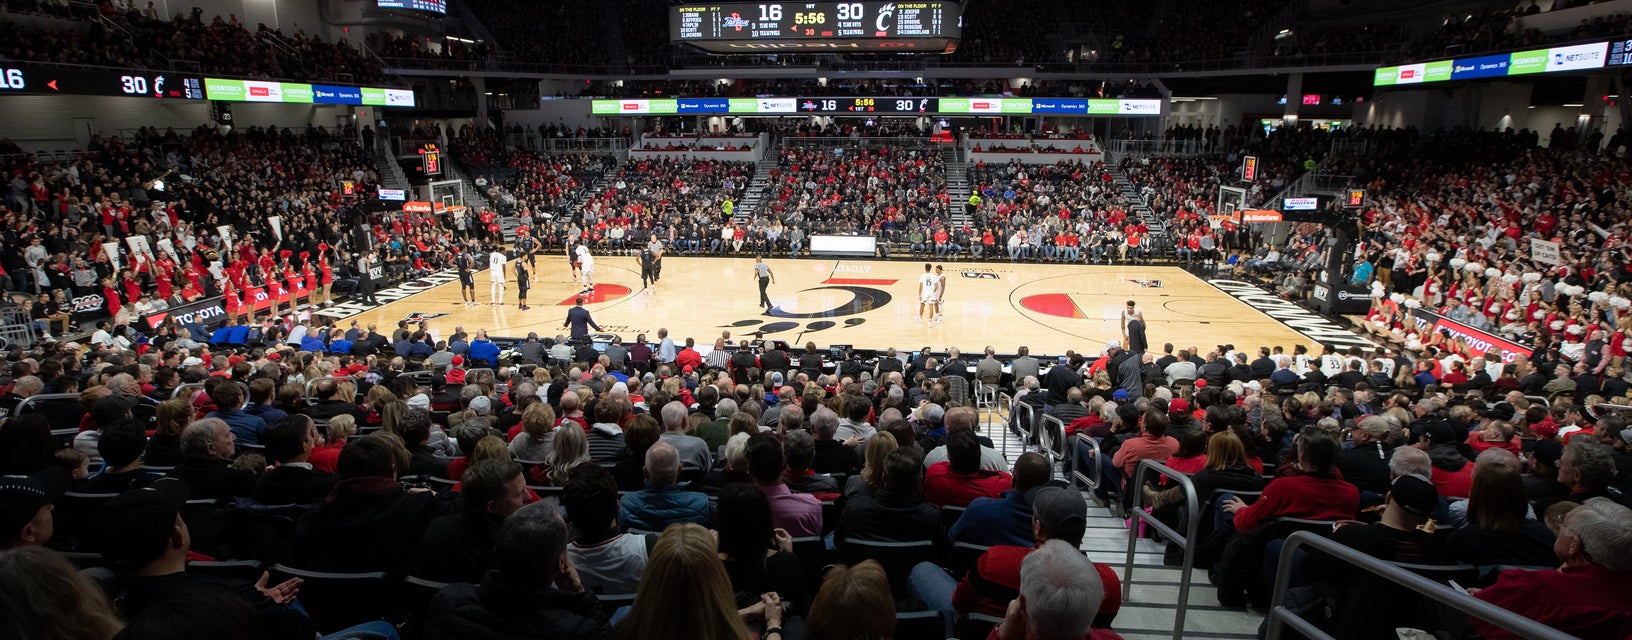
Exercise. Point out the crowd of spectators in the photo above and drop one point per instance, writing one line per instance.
(219, 46)
(858, 189)
(1500, 30)
(454, 458)
(388, 45)
(579, 36)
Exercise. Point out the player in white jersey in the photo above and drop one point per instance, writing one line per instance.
(926, 292)
(495, 274)
(586, 266)
(940, 295)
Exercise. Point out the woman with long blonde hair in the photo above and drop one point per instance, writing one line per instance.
(568, 450)
(44, 597)
(686, 591)
(872, 471)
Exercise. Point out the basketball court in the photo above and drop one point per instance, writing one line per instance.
(866, 303)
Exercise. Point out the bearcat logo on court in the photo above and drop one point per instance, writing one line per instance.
(984, 275)
(422, 316)
(1148, 284)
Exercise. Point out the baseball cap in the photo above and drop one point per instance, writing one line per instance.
(481, 405)
(1414, 494)
(933, 413)
(22, 496)
(1178, 405)
(191, 361)
(420, 401)
(1054, 507)
(686, 370)
(1626, 435)
(776, 378)
(1442, 433)
(110, 409)
(458, 360)
(1119, 395)
(136, 525)
(273, 355)
(1114, 344)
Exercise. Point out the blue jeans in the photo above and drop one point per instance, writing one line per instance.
(935, 587)
(376, 630)
(1070, 254)
(793, 249)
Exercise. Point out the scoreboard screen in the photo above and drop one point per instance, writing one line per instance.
(930, 27)
(433, 6)
(868, 105)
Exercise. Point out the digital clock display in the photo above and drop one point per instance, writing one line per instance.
(860, 26)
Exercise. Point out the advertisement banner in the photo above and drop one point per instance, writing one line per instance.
(1481, 67)
(257, 91)
(208, 312)
(1479, 341)
(329, 94)
(1581, 56)
(373, 97)
(417, 206)
(1544, 251)
(1523, 62)
(398, 195)
(1260, 215)
(221, 89)
(399, 98)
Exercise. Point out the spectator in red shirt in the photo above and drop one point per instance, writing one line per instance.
(1153, 443)
(959, 480)
(688, 357)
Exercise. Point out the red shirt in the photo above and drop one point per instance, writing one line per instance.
(994, 581)
(1316, 497)
(1453, 484)
(1586, 602)
(945, 488)
(326, 457)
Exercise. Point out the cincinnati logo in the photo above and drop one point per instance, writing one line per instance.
(863, 299)
(1148, 284)
(984, 275)
(422, 316)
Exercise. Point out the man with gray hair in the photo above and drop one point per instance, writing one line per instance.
(207, 447)
(790, 417)
(535, 591)
(1587, 596)
(1060, 592)
(715, 433)
(1365, 465)
(1407, 461)
(693, 451)
(662, 502)
(832, 456)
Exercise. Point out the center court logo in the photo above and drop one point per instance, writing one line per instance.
(1148, 284)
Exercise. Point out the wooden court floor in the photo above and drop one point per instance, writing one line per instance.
(866, 303)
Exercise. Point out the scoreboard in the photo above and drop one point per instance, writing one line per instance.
(28, 78)
(733, 27)
(868, 105)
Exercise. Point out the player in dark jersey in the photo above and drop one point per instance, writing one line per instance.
(522, 283)
(647, 279)
(467, 280)
(528, 246)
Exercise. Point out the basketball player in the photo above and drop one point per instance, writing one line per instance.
(495, 273)
(528, 246)
(523, 281)
(647, 279)
(656, 247)
(1129, 314)
(766, 278)
(586, 267)
(572, 259)
(926, 292)
(467, 280)
(940, 295)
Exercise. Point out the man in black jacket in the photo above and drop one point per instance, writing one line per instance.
(207, 467)
(147, 542)
(289, 443)
(895, 512)
(331, 404)
(459, 548)
(774, 359)
(535, 593)
(367, 505)
(415, 430)
(1263, 367)
(831, 455)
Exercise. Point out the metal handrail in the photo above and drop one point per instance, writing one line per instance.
(1075, 474)
(1281, 617)
(1026, 423)
(1186, 540)
(1045, 438)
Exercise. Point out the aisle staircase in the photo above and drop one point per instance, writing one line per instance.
(756, 189)
(391, 175)
(1136, 200)
(957, 185)
(1150, 610)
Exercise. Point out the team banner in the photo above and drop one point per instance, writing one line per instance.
(110, 250)
(1480, 342)
(169, 247)
(207, 313)
(1544, 251)
(277, 226)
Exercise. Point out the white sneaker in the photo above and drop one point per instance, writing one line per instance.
(918, 319)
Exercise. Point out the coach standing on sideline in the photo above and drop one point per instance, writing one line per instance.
(578, 318)
(766, 279)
